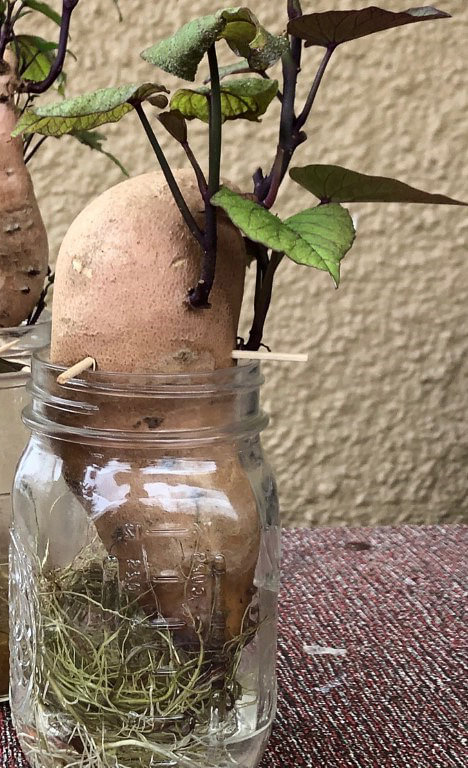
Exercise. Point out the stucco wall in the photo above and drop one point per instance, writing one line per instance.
(374, 428)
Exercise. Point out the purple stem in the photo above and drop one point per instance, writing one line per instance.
(294, 9)
(68, 6)
(301, 120)
(263, 303)
(289, 138)
(202, 183)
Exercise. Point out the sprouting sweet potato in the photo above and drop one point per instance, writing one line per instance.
(23, 240)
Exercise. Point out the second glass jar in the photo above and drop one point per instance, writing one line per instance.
(14, 375)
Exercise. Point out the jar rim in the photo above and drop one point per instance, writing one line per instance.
(193, 405)
(246, 374)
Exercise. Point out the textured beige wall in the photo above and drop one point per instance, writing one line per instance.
(374, 429)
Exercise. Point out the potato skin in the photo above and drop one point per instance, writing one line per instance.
(24, 251)
(122, 277)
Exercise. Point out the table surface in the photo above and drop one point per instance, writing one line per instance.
(372, 665)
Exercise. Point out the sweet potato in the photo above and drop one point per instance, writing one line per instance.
(23, 240)
(122, 277)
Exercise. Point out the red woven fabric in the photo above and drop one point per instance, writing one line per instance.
(373, 651)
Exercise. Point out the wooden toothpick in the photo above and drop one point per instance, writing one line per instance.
(75, 370)
(8, 346)
(287, 357)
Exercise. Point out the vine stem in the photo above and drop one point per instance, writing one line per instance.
(291, 134)
(263, 303)
(215, 124)
(294, 9)
(198, 297)
(169, 176)
(202, 183)
(18, 12)
(288, 137)
(301, 120)
(28, 86)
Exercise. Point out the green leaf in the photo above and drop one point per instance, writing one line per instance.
(331, 183)
(246, 97)
(336, 27)
(38, 43)
(329, 231)
(35, 57)
(174, 123)
(45, 9)
(318, 237)
(94, 140)
(83, 113)
(181, 53)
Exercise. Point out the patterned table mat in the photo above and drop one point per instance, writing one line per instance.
(373, 651)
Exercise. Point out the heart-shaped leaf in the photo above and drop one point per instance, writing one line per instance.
(246, 97)
(331, 183)
(334, 27)
(95, 140)
(318, 237)
(43, 8)
(330, 233)
(83, 113)
(181, 53)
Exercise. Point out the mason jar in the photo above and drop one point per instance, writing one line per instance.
(144, 572)
(16, 346)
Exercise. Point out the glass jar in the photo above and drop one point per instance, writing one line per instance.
(144, 572)
(14, 375)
